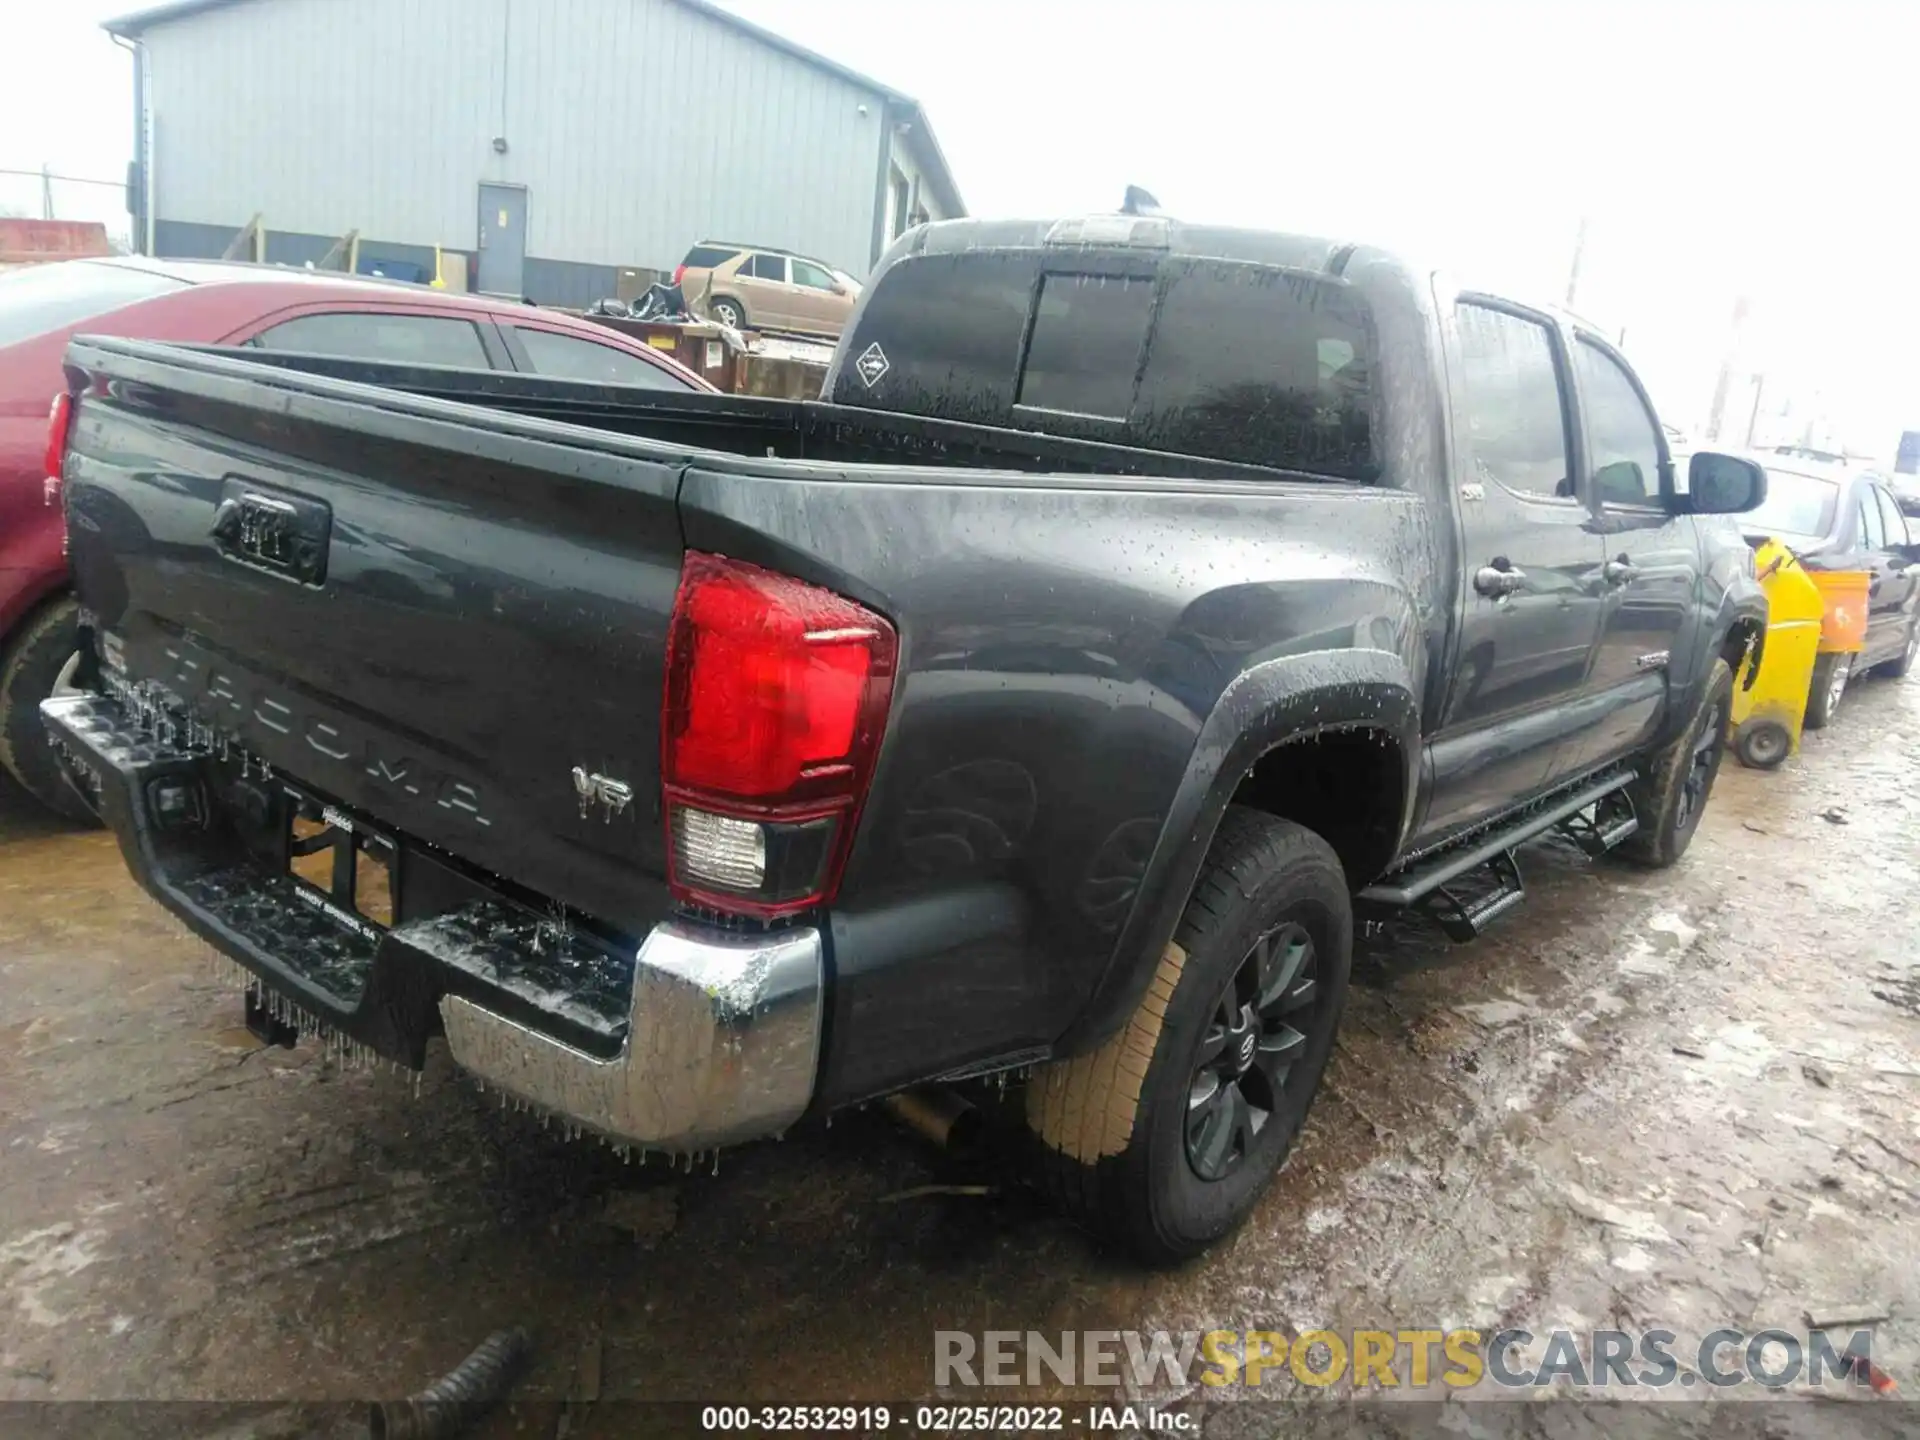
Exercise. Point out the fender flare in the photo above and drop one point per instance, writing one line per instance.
(1742, 603)
(1294, 697)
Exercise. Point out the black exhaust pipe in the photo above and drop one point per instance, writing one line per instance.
(937, 1113)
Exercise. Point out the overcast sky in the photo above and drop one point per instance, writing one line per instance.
(1717, 149)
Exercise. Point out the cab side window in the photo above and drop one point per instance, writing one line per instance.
(1873, 530)
(1623, 441)
(1890, 516)
(1516, 418)
(812, 276)
(381, 335)
(569, 357)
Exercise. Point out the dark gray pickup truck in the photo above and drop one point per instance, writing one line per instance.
(1139, 601)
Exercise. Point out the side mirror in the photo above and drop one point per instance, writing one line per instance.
(1723, 484)
(1907, 555)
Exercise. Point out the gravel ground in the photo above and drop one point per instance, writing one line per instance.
(1688, 1100)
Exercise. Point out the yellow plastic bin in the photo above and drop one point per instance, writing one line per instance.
(1843, 632)
(1770, 703)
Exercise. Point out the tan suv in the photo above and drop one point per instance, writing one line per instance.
(754, 288)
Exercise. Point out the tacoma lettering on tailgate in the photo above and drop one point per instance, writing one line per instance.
(219, 691)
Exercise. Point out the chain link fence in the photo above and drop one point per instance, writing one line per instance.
(49, 195)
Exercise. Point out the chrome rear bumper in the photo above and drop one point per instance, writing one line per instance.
(724, 1043)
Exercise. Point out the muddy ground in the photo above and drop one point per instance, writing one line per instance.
(1689, 1099)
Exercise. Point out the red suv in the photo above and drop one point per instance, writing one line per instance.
(205, 302)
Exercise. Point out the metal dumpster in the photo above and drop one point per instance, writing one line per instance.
(1770, 698)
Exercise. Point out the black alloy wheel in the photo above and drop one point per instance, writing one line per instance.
(1258, 1030)
(1698, 782)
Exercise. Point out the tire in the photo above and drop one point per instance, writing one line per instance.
(1762, 744)
(1672, 794)
(725, 310)
(1115, 1146)
(38, 658)
(1901, 668)
(1831, 672)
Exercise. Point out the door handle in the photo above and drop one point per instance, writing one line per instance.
(1497, 581)
(1620, 572)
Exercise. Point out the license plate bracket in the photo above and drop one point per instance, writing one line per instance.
(341, 859)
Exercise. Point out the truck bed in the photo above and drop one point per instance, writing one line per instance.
(743, 424)
(499, 560)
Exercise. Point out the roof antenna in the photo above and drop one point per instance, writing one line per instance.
(1139, 202)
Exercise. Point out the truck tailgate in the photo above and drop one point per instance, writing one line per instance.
(429, 613)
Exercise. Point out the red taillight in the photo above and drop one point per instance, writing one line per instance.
(679, 272)
(776, 698)
(59, 420)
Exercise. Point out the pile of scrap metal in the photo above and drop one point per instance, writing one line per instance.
(787, 367)
(660, 302)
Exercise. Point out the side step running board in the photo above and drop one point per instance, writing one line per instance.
(1465, 911)
(1612, 824)
(1613, 821)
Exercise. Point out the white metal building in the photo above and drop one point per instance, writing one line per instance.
(553, 141)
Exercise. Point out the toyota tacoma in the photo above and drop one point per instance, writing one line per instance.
(1139, 602)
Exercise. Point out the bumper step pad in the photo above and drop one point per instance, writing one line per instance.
(693, 1039)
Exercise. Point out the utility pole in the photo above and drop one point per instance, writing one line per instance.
(1579, 253)
(1721, 385)
(46, 191)
(1753, 420)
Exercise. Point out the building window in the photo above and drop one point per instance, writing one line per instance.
(899, 203)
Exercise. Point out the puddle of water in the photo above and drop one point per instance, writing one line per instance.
(36, 1262)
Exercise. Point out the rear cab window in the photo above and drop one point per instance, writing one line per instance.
(1220, 359)
(40, 299)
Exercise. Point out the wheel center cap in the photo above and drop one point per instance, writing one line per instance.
(1242, 1040)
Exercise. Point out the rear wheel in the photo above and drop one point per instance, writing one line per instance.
(40, 661)
(1670, 797)
(727, 311)
(1164, 1138)
(1831, 671)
